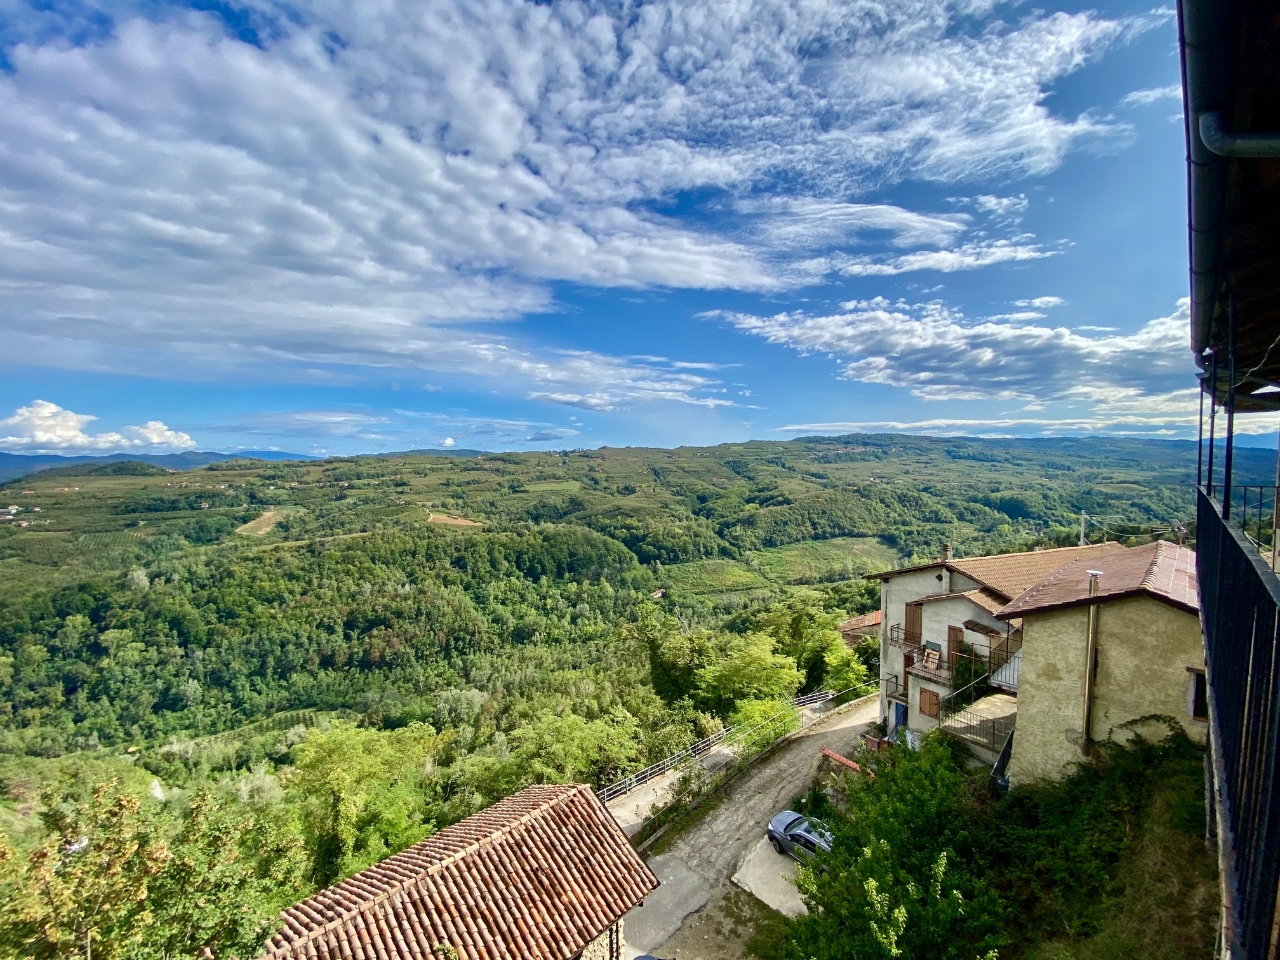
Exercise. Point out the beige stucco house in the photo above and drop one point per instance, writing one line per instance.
(1131, 619)
(940, 628)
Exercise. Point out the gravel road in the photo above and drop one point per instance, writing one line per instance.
(699, 865)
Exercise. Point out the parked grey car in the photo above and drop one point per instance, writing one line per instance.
(800, 836)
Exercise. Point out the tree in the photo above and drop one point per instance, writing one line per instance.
(904, 876)
(365, 792)
(760, 722)
(749, 670)
(566, 748)
(807, 634)
(675, 657)
(117, 879)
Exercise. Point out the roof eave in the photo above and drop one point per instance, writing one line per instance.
(1024, 612)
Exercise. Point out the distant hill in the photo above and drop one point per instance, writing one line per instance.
(20, 464)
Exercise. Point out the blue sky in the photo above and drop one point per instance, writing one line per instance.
(326, 228)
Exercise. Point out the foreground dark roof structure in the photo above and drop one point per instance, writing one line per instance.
(1231, 81)
(1162, 571)
(536, 876)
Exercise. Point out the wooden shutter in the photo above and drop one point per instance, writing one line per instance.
(929, 703)
(915, 621)
(955, 637)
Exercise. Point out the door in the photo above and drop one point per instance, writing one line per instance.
(899, 715)
(915, 621)
(955, 637)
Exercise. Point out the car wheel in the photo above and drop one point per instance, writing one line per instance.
(777, 845)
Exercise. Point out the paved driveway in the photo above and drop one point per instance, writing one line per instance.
(701, 863)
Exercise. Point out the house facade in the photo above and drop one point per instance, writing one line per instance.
(546, 874)
(940, 632)
(1106, 641)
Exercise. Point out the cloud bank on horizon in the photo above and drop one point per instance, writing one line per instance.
(328, 197)
(44, 427)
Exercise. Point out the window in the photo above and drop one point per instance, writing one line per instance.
(929, 703)
(1198, 695)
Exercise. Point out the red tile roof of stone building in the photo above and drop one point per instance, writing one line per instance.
(1008, 574)
(838, 758)
(864, 622)
(536, 876)
(1161, 570)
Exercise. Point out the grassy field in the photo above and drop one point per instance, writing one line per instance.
(707, 577)
(261, 526)
(818, 561)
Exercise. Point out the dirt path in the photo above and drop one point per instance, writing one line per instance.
(696, 870)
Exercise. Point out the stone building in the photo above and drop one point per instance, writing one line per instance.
(1106, 640)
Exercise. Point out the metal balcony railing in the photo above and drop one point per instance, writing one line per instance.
(900, 636)
(893, 687)
(1253, 513)
(939, 674)
(1240, 617)
(989, 732)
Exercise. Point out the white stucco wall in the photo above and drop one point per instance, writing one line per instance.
(936, 616)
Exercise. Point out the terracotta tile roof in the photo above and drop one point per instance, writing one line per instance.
(1161, 570)
(988, 600)
(871, 619)
(841, 760)
(1009, 574)
(536, 876)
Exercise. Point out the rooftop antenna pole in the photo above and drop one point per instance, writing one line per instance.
(1084, 522)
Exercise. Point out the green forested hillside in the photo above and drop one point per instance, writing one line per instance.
(355, 652)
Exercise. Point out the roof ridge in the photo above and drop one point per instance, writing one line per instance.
(416, 877)
(1149, 580)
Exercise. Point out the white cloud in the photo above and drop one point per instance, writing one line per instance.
(1041, 303)
(372, 178)
(931, 350)
(1142, 98)
(809, 223)
(393, 429)
(44, 427)
(968, 256)
(1168, 424)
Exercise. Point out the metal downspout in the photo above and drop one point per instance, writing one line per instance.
(1245, 146)
(1090, 664)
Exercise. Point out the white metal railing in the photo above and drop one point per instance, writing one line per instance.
(702, 747)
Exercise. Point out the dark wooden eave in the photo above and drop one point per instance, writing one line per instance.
(1231, 65)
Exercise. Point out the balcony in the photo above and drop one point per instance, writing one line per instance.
(1239, 608)
(893, 688)
(937, 672)
(900, 636)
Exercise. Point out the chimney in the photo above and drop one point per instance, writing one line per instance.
(946, 552)
(1094, 577)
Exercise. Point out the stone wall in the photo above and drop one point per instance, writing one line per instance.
(1145, 648)
(607, 946)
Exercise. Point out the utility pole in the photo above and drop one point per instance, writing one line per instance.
(1084, 523)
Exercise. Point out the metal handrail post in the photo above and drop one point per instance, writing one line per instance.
(1231, 409)
(1213, 419)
